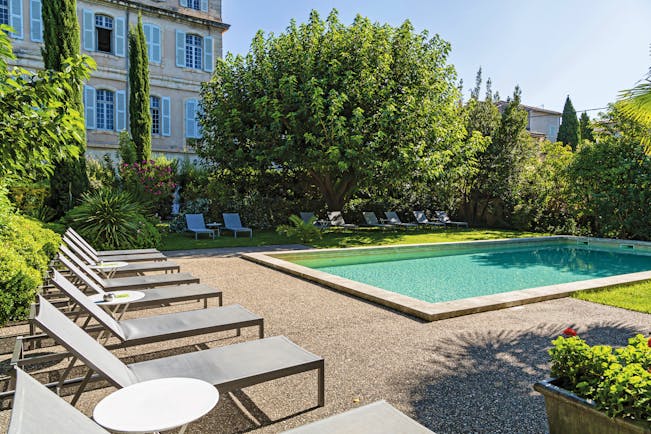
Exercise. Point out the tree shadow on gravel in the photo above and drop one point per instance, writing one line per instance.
(482, 382)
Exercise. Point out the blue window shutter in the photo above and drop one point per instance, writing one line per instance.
(120, 37)
(204, 5)
(190, 114)
(208, 54)
(120, 110)
(16, 18)
(89, 107)
(180, 48)
(184, 3)
(152, 34)
(146, 28)
(166, 129)
(35, 21)
(88, 24)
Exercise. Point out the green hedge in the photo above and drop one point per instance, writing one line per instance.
(24, 258)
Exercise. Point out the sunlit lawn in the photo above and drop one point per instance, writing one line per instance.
(636, 296)
(341, 238)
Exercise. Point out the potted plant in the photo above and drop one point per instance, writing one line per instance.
(596, 389)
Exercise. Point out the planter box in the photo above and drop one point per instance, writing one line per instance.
(568, 413)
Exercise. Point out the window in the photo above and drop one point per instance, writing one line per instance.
(193, 50)
(104, 33)
(104, 109)
(154, 108)
(199, 5)
(4, 11)
(194, 4)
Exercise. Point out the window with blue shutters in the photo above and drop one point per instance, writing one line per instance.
(105, 110)
(154, 110)
(193, 51)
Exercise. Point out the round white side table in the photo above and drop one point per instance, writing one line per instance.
(156, 405)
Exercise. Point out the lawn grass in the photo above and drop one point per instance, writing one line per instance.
(634, 296)
(341, 238)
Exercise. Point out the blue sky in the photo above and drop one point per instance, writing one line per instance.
(589, 49)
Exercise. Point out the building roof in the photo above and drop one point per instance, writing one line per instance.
(533, 109)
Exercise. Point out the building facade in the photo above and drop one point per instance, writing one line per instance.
(541, 123)
(184, 38)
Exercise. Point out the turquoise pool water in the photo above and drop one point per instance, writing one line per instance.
(456, 272)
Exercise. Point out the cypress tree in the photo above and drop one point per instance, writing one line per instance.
(140, 117)
(61, 40)
(569, 132)
(587, 133)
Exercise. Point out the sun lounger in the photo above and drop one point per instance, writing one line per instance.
(393, 218)
(308, 216)
(75, 234)
(228, 368)
(153, 296)
(337, 220)
(445, 219)
(129, 269)
(421, 218)
(196, 224)
(163, 327)
(36, 409)
(232, 223)
(133, 257)
(123, 283)
(371, 220)
(376, 418)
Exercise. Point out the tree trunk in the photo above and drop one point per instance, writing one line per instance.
(337, 191)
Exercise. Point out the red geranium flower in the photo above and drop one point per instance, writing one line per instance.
(569, 332)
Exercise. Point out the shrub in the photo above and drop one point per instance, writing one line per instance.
(151, 183)
(199, 206)
(304, 231)
(619, 381)
(101, 174)
(27, 249)
(110, 219)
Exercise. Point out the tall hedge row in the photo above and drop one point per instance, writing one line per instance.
(27, 248)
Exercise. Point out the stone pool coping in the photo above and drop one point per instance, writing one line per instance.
(449, 309)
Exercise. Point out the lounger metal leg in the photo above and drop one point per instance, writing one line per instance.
(261, 330)
(65, 374)
(81, 388)
(220, 296)
(321, 380)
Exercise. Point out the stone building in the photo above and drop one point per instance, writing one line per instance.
(184, 37)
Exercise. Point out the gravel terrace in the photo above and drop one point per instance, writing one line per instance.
(471, 374)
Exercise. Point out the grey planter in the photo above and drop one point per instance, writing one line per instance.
(568, 413)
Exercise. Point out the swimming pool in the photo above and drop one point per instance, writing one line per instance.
(435, 281)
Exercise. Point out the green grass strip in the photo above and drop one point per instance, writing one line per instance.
(634, 296)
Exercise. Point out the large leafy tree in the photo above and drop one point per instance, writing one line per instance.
(139, 114)
(37, 128)
(61, 41)
(569, 132)
(344, 106)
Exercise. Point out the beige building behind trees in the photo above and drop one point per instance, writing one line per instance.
(184, 38)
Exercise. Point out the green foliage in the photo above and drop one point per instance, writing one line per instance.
(304, 231)
(139, 115)
(126, 148)
(151, 183)
(619, 382)
(340, 107)
(585, 127)
(569, 132)
(110, 219)
(37, 128)
(29, 197)
(101, 174)
(27, 249)
(610, 188)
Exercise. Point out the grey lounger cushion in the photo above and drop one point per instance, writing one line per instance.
(38, 410)
(163, 327)
(72, 233)
(228, 368)
(393, 218)
(68, 258)
(376, 418)
(158, 295)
